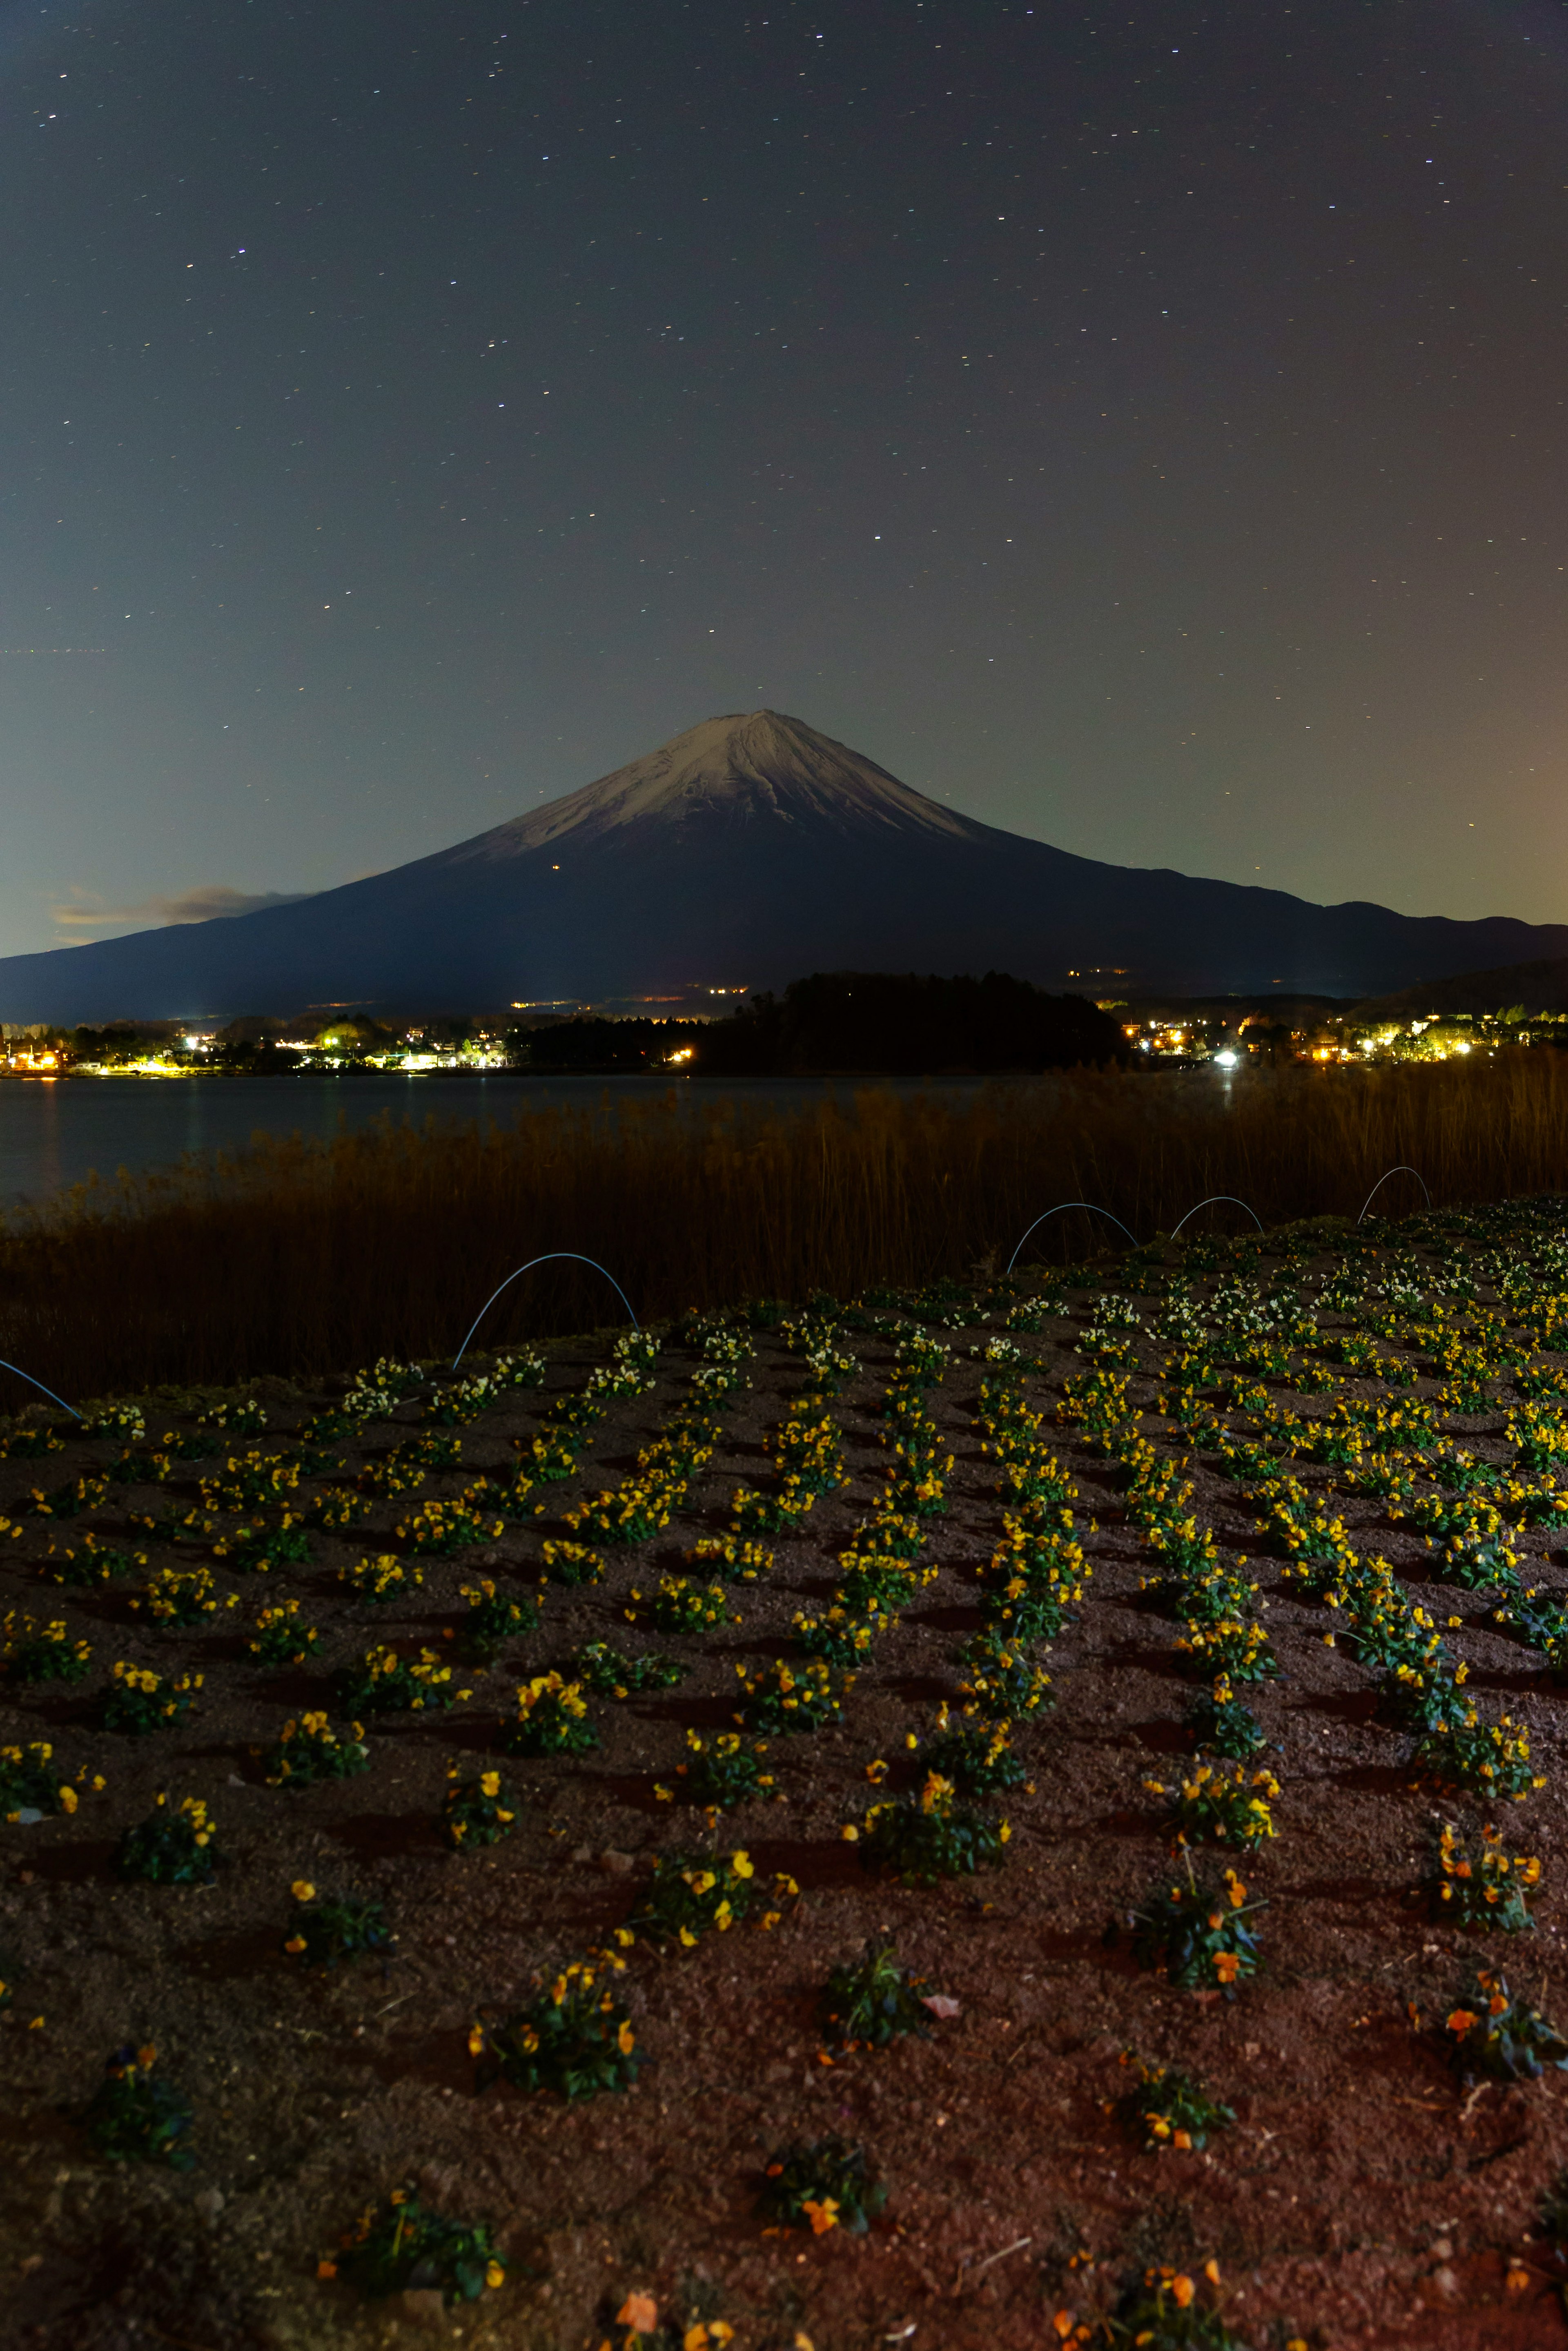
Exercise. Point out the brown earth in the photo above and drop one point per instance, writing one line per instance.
(1363, 2198)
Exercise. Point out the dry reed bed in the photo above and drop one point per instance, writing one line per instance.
(295, 1257)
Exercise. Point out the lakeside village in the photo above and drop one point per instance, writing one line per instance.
(1226, 1033)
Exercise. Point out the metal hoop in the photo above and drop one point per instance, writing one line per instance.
(1403, 1169)
(549, 1257)
(21, 1374)
(1091, 1205)
(1209, 1203)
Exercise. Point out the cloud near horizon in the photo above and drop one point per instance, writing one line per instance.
(209, 902)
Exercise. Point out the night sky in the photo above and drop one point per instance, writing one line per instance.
(1144, 426)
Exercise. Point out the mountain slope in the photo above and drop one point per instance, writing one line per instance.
(750, 848)
(1541, 987)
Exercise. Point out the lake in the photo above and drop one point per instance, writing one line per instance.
(54, 1134)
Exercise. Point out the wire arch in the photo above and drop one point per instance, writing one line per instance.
(549, 1257)
(32, 1383)
(1212, 1199)
(1091, 1205)
(1404, 1168)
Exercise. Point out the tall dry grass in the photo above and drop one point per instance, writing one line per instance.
(299, 1258)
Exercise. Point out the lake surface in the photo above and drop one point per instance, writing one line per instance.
(54, 1134)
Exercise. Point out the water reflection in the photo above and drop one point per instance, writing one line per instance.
(55, 1134)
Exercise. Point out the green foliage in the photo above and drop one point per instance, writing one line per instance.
(679, 1605)
(480, 1811)
(69, 1500)
(27, 1784)
(439, 1528)
(600, 1668)
(32, 1442)
(731, 1558)
(549, 1459)
(1229, 1807)
(1169, 2108)
(327, 1928)
(1494, 2035)
(872, 2002)
(1237, 1649)
(692, 1893)
(724, 1773)
(88, 1561)
(170, 1847)
(1221, 1725)
(1492, 1759)
(385, 1683)
(1019, 1612)
(1475, 1883)
(839, 1637)
(308, 1751)
(281, 1639)
(551, 1719)
(493, 1619)
(1165, 2314)
(627, 1514)
(781, 1697)
(923, 1839)
(244, 1418)
(980, 1761)
(138, 2116)
(327, 1428)
(177, 1598)
(575, 2038)
(257, 1548)
(998, 1681)
(570, 1563)
(807, 1454)
(136, 1467)
(45, 1653)
(248, 1480)
(398, 2247)
(821, 2187)
(139, 1701)
(452, 1403)
(1198, 1935)
(779, 1513)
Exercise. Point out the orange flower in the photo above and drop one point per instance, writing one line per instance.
(1183, 2290)
(639, 2312)
(1460, 2019)
(1227, 1966)
(823, 2216)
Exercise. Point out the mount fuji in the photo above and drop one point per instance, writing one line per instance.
(750, 850)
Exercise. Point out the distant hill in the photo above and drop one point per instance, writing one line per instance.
(904, 1021)
(1538, 986)
(748, 850)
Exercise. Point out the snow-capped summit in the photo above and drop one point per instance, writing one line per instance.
(754, 767)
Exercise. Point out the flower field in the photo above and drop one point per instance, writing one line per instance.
(981, 1815)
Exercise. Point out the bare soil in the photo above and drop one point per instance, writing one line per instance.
(1364, 2197)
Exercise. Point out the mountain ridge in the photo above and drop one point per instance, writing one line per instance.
(748, 850)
